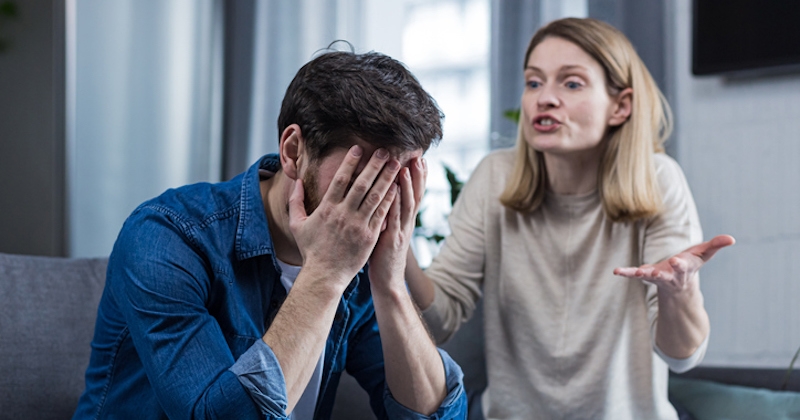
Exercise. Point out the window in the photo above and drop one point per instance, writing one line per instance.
(445, 43)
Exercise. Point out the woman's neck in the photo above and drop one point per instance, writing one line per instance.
(573, 174)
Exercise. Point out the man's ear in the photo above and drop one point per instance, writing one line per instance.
(623, 105)
(292, 150)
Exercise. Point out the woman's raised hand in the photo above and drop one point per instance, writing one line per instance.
(676, 273)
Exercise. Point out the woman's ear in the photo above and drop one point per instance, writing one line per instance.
(291, 150)
(622, 107)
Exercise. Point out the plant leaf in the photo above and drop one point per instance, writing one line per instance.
(8, 9)
(455, 184)
(512, 114)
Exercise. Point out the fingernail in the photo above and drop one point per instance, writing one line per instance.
(382, 153)
(393, 165)
(356, 150)
(420, 163)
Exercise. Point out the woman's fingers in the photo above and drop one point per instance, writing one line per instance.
(708, 249)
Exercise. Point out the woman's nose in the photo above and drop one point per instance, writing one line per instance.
(548, 98)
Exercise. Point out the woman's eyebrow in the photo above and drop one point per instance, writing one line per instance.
(569, 67)
(534, 69)
(566, 67)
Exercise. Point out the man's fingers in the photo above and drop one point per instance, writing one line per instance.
(371, 185)
(419, 175)
(341, 180)
(409, 203)
(380, 213)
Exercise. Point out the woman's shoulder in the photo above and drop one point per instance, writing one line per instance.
(494, 168)
(671, 178)
(498, 161)
(489, 176)
(664, 162)
(667, 169)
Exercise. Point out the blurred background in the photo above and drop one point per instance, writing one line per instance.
(104, 104)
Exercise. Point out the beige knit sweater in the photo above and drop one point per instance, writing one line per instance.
(565, 337)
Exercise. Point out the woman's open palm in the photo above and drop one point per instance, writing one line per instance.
(676, 273)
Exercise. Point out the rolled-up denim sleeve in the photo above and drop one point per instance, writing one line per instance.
(454, 405)
(162, 296)
(259, 371)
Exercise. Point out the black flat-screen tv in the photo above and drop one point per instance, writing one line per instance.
(734, 36)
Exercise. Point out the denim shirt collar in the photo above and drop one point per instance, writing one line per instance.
(252, 231)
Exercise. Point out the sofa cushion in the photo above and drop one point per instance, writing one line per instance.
(47, 313)
(707, 400)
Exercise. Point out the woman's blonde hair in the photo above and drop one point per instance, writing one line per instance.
(627, 180)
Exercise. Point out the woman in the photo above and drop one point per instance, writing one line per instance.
(587, 190)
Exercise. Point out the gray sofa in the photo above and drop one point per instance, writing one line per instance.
(47, 313)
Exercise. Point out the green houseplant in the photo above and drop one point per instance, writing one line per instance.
(455, 189)
(8, 11)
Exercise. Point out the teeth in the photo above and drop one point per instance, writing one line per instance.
(546, 121)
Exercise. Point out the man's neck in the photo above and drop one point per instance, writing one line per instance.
(275, 193)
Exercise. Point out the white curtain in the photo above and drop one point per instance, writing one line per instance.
(144, 98)
(154, 101)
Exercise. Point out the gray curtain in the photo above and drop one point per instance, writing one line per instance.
(266, 42)
(513, 24)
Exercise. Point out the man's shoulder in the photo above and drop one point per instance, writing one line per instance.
(196, 204)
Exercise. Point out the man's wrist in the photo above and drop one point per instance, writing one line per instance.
(383, 281)
(330, 283)
(392, 290)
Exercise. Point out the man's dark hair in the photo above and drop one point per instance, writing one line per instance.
(339, 96)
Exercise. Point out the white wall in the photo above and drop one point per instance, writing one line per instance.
(739, 145)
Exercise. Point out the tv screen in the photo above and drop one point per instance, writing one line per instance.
(737, 35)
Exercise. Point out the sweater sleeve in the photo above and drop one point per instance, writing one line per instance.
(673, 230)
(458, 270)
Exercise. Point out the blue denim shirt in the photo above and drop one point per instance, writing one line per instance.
(192, 286)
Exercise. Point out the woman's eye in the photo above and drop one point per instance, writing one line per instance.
(573, 85)
(533, 84)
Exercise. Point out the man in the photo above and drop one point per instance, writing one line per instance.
(195, 320)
